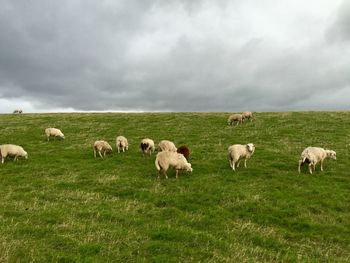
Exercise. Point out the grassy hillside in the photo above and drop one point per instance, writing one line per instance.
(63, 205)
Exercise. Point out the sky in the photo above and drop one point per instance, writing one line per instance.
(174, 55)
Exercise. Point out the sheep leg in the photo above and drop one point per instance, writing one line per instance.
(239, 162)
(322, 165)
(2, 159)
(99, 152)
(230, 161)
(245, 163)
(310, 168)
(177, 173)
(94, 153)
(15, 159)
(233, 166)
(299, 165)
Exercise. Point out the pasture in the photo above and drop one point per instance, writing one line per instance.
(64, 205)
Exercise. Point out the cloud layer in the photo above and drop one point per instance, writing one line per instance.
(157, 55)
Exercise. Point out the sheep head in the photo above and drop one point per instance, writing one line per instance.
(331, 154)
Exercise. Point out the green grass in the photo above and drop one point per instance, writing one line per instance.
(63, 205)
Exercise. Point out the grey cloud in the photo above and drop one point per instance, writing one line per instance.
(340, 29)
(78, 54)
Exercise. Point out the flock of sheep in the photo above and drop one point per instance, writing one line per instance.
(169, 156)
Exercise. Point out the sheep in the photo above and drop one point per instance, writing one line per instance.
(167, 159)
(166, 145)
(17, 111)
(237, 152)
(313, 155)
(235, 118)
(53, 132)
(102, 146)
(147, 146)
(122, 143)
(247, 115)
(12, 150)
(185, 151)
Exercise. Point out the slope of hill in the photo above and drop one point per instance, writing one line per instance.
(63, 205)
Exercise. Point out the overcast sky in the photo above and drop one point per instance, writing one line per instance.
(174, 55)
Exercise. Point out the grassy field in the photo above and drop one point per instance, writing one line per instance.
(63, 205)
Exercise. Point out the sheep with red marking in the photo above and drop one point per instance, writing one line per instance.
(185, 151)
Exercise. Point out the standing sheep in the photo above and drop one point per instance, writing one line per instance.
(102, 146)
(235, 118)
(313, 155)
(185, 151)
(167, 159)
(247, 115)
(122, 143)
(12, 150)
(147, 146)
(17, 111)
(237, 152)
(53, 132)
(166, 145)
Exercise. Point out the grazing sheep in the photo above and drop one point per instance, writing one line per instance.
(166, 146)
(102, 146)
(167, 159)
(17, 111)
(237, 152)
(122, 144)
(313, 155)
(235, 118)
(12, 150)
(147, 146)
(53, 132)
(185, 151)
(247, 115)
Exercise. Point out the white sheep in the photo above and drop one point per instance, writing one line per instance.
(313, 155)
(122, 143)
(53, 132)
(12, 150)
(167, 159)
(166, 145)
(235, 118)
(237, 152)
(102, 146)
(147, 146)
(17, 111)
(247, 115)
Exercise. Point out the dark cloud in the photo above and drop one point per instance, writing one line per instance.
(340, 29)
(167, 55)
